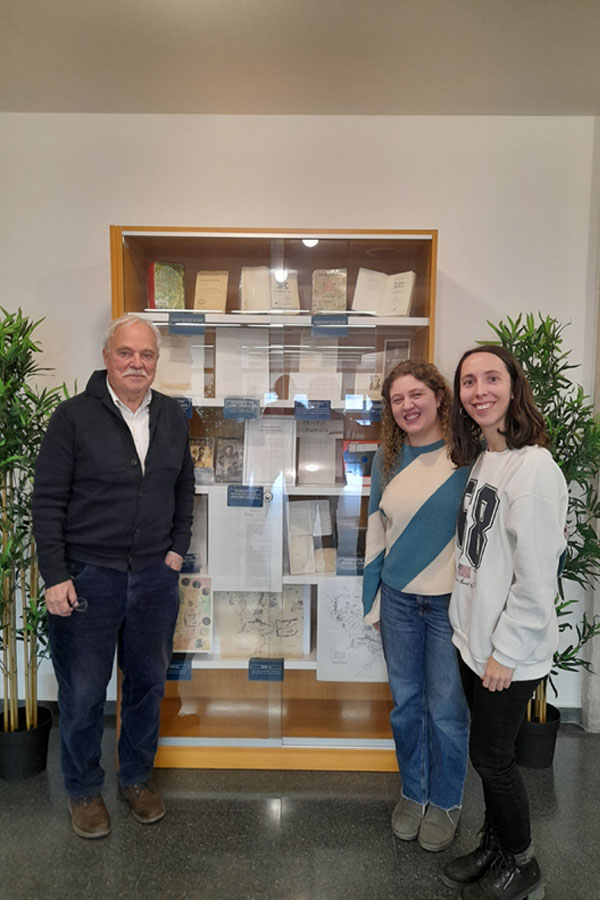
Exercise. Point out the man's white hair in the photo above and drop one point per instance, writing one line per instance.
(128, 320)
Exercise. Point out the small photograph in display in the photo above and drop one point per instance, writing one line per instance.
(368, 384)
(203, 454)
(229, 460)
(202, 450)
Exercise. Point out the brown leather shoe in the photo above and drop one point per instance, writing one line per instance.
(89, 816)
(145, 802)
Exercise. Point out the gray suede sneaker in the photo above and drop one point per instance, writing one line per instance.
(406, 819)
(438, 828)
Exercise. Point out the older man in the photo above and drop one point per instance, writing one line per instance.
(112, 507)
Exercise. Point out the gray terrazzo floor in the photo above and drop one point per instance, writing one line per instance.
(282, 835)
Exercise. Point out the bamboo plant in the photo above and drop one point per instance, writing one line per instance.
(24, 413)
(575, 444)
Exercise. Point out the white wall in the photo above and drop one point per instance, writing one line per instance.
(513, 199)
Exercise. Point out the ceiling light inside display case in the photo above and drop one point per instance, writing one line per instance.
(310, 242)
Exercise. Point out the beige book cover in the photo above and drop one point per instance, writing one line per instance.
(379, 294)
(255, 289)
(211, 291)
(284, 292)
(166, 285)
(329, 288)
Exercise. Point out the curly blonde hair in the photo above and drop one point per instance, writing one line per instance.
(392, 436)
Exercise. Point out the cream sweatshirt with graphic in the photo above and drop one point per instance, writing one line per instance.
(510, 537)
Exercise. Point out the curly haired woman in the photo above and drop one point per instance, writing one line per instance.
(415, 495)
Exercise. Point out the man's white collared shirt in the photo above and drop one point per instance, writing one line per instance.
(138, 422)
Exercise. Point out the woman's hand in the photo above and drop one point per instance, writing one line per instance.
(497, 677)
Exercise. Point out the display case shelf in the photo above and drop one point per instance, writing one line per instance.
(211, 661)
(309, 490)
(160, 317)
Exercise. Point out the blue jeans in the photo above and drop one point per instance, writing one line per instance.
(135, 612)
(430, 718)
(496, 717)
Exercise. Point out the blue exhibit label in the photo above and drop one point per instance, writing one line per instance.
(374, 413)
(245, 495)
(260, 669)
(190, 564)
(180, 668)
(183, 322)
(350, 565)
(186, 405)
(240, 408)
(314, 410)
(334, 325)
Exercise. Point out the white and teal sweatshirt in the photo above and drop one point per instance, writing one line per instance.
(412, 521)
(510, 538)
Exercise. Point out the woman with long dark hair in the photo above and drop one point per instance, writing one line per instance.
(409, 573)
(510, 538)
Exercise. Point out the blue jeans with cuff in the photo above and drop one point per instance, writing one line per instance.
(430, 718)
(136, 613)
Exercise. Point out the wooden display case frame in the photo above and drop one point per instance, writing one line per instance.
(300, 723)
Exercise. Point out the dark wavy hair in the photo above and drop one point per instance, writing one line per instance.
(392, 436)
(524, 425)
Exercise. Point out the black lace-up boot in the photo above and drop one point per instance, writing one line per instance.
(508, 878)
(466, 869)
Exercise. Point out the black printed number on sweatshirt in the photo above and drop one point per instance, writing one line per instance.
(485, 506)
(462, 513)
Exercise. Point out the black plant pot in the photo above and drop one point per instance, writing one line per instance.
(536, 741)
(23, 753)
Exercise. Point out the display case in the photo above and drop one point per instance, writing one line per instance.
(277, 343)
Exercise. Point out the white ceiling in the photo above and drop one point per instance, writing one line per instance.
(330, 57)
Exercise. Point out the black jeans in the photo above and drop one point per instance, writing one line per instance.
(496, 717)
